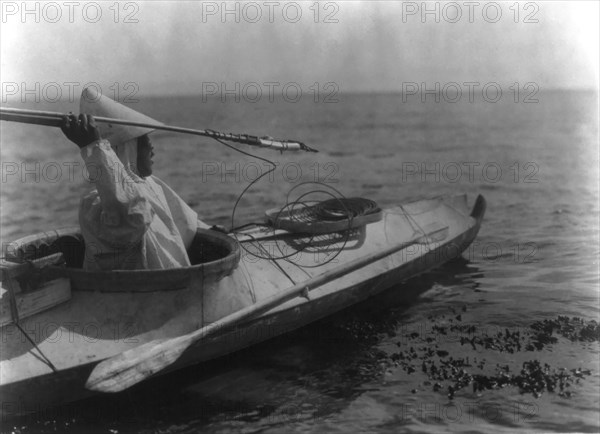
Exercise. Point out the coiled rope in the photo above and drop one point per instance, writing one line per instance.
(337, 208)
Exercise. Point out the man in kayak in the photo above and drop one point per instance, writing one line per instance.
(131, 219)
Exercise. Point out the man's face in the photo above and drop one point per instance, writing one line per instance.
(145, 152)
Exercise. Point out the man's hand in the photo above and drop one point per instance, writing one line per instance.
(82, 131)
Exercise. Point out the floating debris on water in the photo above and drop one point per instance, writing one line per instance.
(454, 374)
(575, 329)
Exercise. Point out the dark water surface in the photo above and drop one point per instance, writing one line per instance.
(536, 258)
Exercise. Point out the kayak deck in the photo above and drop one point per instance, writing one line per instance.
(96, 325)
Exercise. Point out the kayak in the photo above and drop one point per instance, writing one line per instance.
(59, 321)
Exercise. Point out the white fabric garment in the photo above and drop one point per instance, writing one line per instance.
(129, 222)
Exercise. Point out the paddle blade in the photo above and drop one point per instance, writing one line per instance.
(132, 366)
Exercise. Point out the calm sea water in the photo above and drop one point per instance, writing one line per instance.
(536, 257)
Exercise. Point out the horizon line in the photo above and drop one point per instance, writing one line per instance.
(15, 99)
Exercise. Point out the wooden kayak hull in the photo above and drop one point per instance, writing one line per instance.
(28, 385)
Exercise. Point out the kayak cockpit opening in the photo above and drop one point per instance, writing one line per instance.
(209, 246)
(206, 247)
(212, 255)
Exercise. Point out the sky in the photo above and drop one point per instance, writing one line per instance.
(178, 48)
